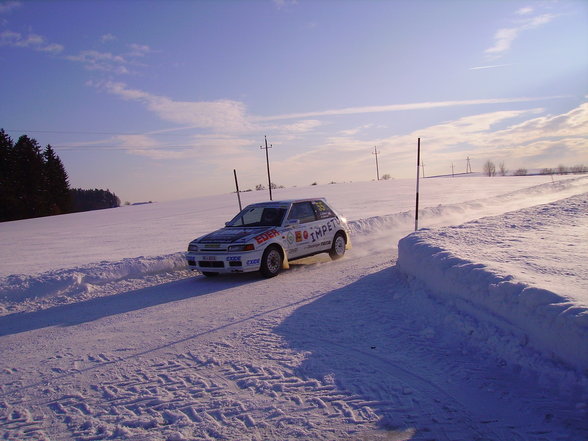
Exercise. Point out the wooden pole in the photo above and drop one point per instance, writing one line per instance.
(237, 186)
(416, 213)
(377, 167)
(269, 179)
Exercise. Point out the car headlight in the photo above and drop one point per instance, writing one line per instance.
(192, 247)
(236, 248)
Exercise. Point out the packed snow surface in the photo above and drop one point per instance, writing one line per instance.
(105, 334)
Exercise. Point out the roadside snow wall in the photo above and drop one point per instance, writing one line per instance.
(525, 271)
(81, 281)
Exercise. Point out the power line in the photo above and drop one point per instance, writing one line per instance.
(113, 147)
(71, 132)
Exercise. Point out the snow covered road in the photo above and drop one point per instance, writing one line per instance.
(328, 351)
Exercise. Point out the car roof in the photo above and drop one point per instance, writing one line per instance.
(284, 202)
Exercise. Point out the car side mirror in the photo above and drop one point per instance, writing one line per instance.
(227, 224)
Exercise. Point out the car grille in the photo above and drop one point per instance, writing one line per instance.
(210, 264)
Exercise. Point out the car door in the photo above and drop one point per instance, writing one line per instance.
(301, 222)
(325, 227)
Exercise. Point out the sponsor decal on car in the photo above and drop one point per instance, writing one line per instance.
(321, 231)
(263, 237)
(233, 258)
(253, 262)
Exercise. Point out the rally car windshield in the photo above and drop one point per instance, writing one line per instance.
(259, 217)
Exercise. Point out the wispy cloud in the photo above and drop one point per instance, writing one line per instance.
(504, 37)
(31, 41)
(522, 138)
(401, 107)
(90, 59)
(6, 7)
(101, 61)
(284, 3)
(107, 38)
(492, 66)
(111, 62)
(226, 115)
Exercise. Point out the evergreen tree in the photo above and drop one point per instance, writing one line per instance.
(85, 200)
(7, 199)
(29, 173)
(34, 183)
(56, 183)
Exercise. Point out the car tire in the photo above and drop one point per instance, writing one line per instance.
(271, 262)
(338, 248)
(209, 274)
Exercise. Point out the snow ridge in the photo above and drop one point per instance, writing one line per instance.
(78, 283)
(462, 212)
(542, 318)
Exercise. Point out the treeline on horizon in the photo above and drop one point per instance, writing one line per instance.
(34, 183)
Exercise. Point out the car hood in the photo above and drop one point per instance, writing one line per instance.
(232, 234)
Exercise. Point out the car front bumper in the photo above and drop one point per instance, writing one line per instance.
(225, 262)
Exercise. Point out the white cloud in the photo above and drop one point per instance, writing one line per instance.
(101, 61)
(301, 126)
(225, 115)
(504, 37)
(30, 41)
(525, 11)
(109, 62)
(138, 50)
(213, 149)
(520, 138)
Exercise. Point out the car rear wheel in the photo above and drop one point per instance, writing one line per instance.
(271, 262)
(338, 248)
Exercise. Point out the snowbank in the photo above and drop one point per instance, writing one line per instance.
(78, 283)
(523, 271)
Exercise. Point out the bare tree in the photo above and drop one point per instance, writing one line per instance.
(502, 169)
(489, 168)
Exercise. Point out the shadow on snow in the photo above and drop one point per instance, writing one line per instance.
(97, 308)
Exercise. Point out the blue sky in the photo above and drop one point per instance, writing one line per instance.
(161, 100)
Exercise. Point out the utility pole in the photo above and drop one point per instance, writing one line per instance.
(452, 171)
(468, 166)
(237, 186)
(416, 212)
(376, 152)
(269, 179)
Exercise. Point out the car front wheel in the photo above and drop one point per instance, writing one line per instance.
(271, 262)
(338, 248)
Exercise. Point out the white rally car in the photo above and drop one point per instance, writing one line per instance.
(266, 236)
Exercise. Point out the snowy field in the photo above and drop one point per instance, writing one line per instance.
(479, 332)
